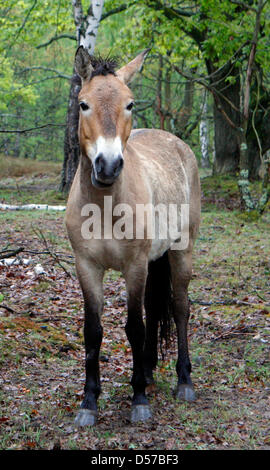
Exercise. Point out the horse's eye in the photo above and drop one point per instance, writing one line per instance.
(84, 106)
(130, 106)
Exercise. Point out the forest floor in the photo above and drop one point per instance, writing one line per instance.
(41, 339)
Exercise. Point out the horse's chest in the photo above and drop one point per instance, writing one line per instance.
(108, 253)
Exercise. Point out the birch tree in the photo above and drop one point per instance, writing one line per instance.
(204, 135)
(86, 35)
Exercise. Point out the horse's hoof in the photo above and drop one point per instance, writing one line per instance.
(140, 413)
(185, 392)
(85, 418)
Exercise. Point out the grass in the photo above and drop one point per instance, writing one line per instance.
(42, 357)
(25, 193)
(24, 181)
(222, 191)
(11, 167)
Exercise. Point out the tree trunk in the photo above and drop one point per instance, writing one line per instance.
(71, 140)
(167, 96)
(254, 159)
(204, 136)
(183, 117)
(247, 200)
(226, 140)
(86, 31)
(160, 111)
(227, 99)
(262, 127)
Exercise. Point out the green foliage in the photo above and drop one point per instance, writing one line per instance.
(184, 34)
(31, 92)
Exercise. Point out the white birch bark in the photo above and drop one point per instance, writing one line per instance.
(86, 33)
(78, 17)
(87, 25)
(204, 136)
(92, 24)
(29, 207)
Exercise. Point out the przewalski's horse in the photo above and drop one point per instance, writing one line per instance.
(130, 169)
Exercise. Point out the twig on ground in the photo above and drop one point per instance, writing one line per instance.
(236, 331)
(10, 253)
(53, 254)
(9, 309)
(46, 252)
(69, 259)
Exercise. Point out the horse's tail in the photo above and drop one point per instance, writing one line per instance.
(158, 298)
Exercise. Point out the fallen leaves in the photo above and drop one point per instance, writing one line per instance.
(42, 360)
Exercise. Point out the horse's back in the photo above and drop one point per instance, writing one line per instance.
(162, 149)
(161, 140)
(170, 165)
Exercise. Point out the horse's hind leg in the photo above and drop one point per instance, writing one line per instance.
(135, 278)
(90, 277)
(181, 265)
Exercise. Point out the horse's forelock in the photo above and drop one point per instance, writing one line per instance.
(103, 65)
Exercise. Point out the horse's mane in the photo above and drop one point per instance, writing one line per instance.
(103, 65)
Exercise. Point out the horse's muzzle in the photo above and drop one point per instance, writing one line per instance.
(106, 170)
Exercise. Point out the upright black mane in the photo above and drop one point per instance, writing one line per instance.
(103, 65)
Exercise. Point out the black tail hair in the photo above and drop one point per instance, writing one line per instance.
(158, 298)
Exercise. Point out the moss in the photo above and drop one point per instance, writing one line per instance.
(42, 286)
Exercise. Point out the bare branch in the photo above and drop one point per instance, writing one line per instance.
(116, 10)
(52, 253)
(73, 38)
(216, 94)
(22, 131)
(170, 12)
(46, 69)
(243, 5)
(230, 61)
(25, 21)
(56, 38)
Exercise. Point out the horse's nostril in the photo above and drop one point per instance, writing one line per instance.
(108, 168)
(119, 165)
(99, 162)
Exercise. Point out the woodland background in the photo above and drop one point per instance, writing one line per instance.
(207, 80)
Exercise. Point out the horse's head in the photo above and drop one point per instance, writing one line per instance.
(105, 113)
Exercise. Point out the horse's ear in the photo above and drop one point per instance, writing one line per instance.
(128, 72)
(83, 64)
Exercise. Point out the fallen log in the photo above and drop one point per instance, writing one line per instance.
(29, 207)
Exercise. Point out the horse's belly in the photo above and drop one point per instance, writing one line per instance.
(169, 232)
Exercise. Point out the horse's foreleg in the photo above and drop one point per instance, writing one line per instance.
(180, 262)
(135, 330)
(90, 278)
